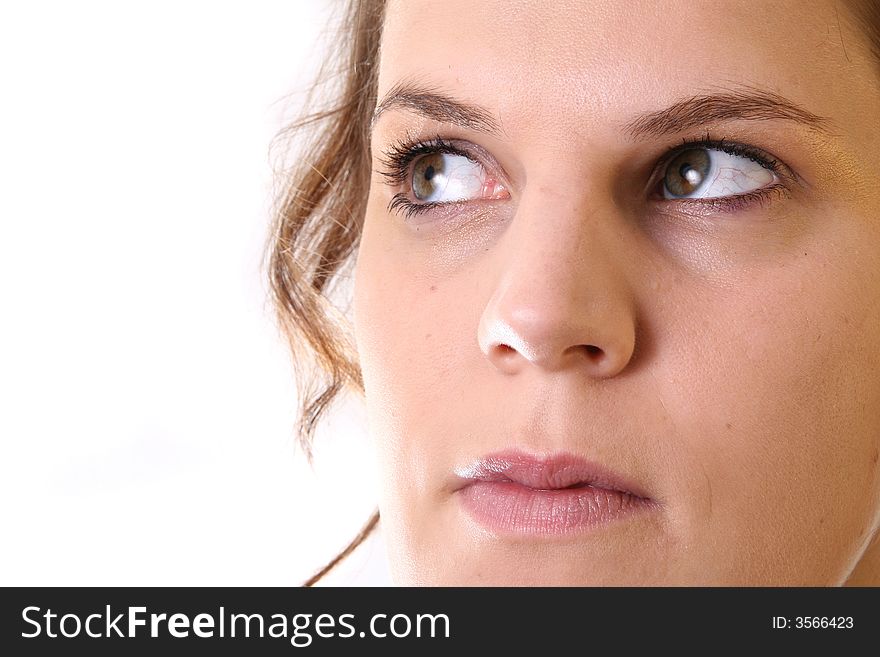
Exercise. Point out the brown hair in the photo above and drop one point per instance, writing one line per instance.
(866, 14)
(319, 216)
(317, 226)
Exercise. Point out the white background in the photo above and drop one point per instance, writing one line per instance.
(146, 399)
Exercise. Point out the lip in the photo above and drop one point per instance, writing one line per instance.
(513, 492)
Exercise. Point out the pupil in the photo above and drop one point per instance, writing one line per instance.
(429, 172)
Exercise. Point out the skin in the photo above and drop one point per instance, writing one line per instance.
(735, 362)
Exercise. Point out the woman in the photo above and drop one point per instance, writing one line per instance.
(616, 287)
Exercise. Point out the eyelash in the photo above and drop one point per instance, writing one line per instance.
(733, 202)
(399, 156)
(397, 160)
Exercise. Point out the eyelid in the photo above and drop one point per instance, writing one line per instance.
(758, 155)
(411, 148)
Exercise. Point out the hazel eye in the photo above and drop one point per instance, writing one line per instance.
(713, 173)
(447, 177)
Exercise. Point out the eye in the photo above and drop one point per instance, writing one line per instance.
(712, 173)
(447, 177)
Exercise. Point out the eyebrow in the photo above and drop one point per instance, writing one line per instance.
(434, 104)
(745, 103)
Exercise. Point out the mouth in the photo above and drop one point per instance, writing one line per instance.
(513, 492)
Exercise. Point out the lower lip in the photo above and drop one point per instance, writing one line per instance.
(509, 507)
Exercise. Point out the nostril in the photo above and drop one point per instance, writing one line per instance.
(593, 350)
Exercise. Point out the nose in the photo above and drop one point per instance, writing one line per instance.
(561, 300)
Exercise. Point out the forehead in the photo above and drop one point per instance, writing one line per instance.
(568, 64)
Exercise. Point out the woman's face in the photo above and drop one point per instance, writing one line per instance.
(597, 295)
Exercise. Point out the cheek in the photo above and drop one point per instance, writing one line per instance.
(410, 329)
(782, 439)
(411, 334)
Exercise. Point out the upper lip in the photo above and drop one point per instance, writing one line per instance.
(549, 472)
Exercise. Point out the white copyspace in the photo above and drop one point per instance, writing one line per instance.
(147, 400)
